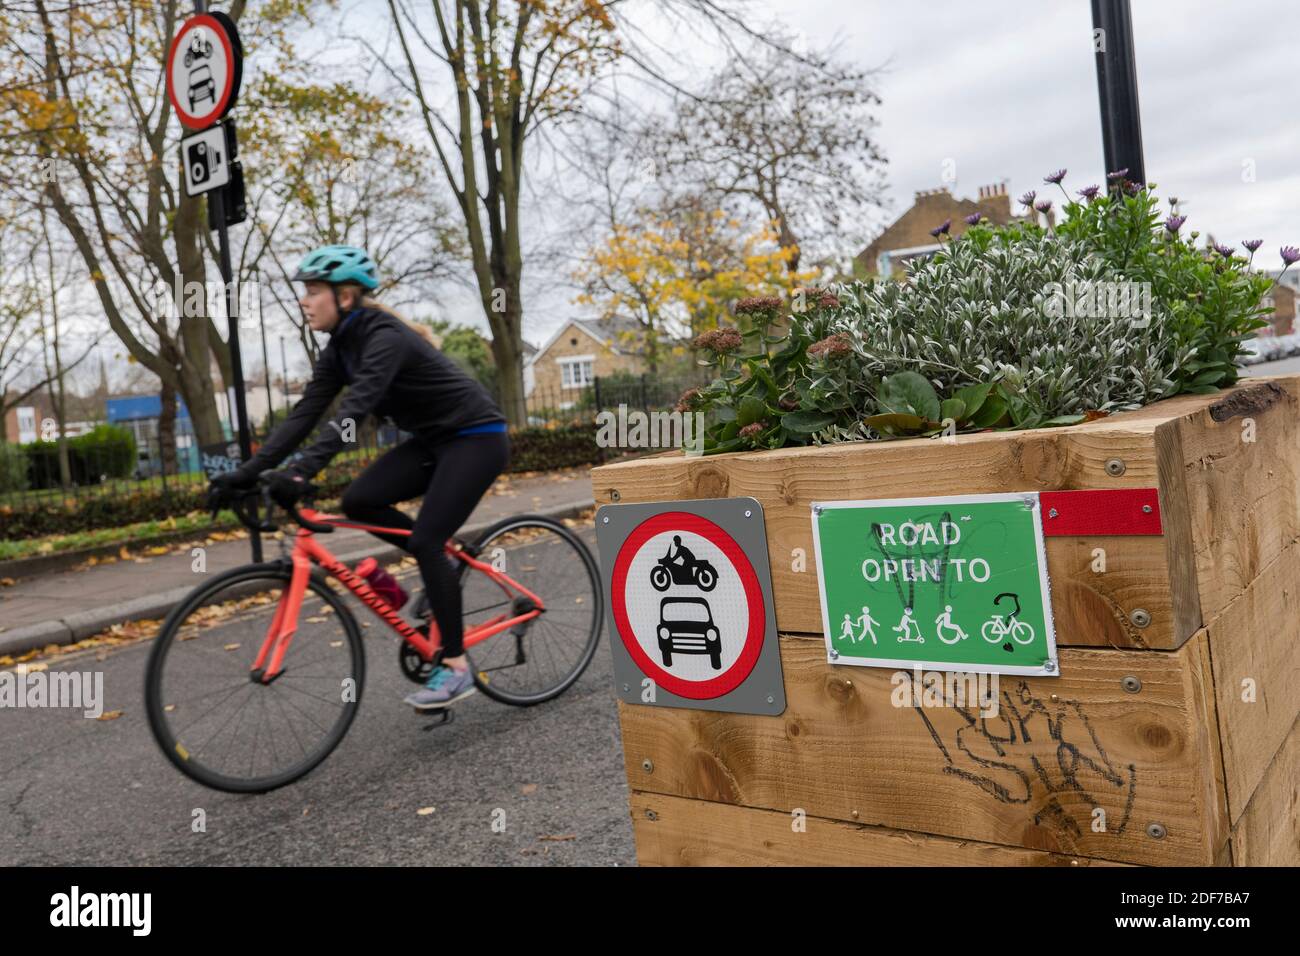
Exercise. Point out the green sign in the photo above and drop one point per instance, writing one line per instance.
(956, 583)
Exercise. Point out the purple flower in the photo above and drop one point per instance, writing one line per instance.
(1132, 188)
(1221, 249)
(942, 228)
(973, 219)
(1090, 192)
(1174, 223)
(1043, 205)
(1251, 245)
(1055, 178)
(1028, 198)
(1117, 174)
(1290, 255)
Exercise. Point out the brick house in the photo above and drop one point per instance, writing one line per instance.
(580, 351)
(1281, 300)
(908, 237)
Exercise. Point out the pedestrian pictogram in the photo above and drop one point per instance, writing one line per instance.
(691, 618)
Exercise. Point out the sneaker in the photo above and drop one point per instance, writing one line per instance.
(445, 686)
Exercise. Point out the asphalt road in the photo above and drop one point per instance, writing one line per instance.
(1286, 366)
(508, 785)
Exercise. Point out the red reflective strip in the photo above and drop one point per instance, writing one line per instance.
(1118, 511)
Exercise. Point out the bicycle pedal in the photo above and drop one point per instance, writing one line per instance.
(448, 715)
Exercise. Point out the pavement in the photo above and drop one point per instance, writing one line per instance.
(70, 605)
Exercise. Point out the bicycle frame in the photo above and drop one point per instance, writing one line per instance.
(307, 551)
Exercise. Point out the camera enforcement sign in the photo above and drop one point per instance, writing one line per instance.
(205, 160)
(689, 596)
(957, 583)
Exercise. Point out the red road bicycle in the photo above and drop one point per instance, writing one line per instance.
(256, 676)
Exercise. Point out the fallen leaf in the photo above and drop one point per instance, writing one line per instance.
(110, 715)
(315, 620)
(157, 550)
(425, 811)
(230, 647)
(528, 788)
(124, 554)
(559, 837)
(7, 582)
(336, 643)
(169, 707)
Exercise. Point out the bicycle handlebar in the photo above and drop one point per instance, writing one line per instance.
(243, 508)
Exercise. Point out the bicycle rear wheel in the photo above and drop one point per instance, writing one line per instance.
(214, 721)
(540, 659)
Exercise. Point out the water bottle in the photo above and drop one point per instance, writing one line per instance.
(383, 583)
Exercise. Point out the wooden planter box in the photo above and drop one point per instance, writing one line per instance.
(1187, 769)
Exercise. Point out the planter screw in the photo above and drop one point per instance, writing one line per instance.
(1049, 667)
(1029, 504)
(817, 509)
(1052, 513)
(834, 654)
(749, 514)
(855, 814)
(1115, 467)
(651, 815)
(648, 765)
(615, 496)
(1131, 684)
(1140, 617)
(605, 519)
(771, 699)
(1156, 831)
(1146, 509)
(626, 688)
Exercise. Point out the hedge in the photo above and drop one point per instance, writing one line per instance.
(531, 449)
(13, 468)
(106, 451)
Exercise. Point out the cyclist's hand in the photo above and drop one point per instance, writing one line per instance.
(286, 487)
(226, 488)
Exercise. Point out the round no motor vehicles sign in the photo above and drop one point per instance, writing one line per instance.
(203, 69)
(689, 596)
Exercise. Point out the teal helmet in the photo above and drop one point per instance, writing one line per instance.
(335, 264)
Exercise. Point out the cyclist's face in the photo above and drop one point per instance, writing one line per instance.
(319, 307)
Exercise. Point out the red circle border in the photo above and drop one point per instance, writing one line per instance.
(734, 676)
(219, 110)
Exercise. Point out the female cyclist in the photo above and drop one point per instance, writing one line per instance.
(458, 445)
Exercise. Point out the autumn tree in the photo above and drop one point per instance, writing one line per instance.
(678, 269)
(785, 139)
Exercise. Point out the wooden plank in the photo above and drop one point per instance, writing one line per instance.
(1032, 776)
(1257, 639)
(1242, 496)
(672, 831)
(1268, 833)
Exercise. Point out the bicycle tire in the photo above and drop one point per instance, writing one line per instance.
(196, 599)
(495, 691)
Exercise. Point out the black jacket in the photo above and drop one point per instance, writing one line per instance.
(391, 371)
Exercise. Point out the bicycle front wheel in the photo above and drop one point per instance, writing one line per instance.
(214, 720)
(539, 659)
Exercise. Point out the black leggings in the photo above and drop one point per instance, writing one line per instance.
(452, 476)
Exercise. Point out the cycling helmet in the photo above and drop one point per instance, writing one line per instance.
(335, 264)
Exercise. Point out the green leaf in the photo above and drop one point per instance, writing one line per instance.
(896, 423)
(909, 393)
(724, 413)
(953, 408)
(806, 421)
(1065, 420)
(751, 410)
(992, 414)
(729, 431)
(973, 396)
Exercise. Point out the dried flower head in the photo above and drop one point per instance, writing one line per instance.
(758, 305)
(753, 430)
(832, 347)
(688, 400)
(721, 341)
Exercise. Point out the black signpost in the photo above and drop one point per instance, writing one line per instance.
(1121, 122)
(204, 69)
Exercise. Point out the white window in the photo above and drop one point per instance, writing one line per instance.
(26, 424)
(576, 371)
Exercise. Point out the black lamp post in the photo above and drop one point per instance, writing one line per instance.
(1121, 124)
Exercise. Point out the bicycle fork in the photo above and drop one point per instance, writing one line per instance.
(283, 625)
